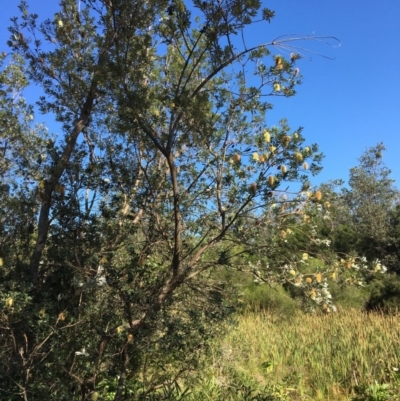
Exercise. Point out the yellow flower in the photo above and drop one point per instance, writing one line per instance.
(295, 135)
(318, 195)
(272, 149)
(1, 262)
(256, 157)
(305, 166)
(120, 329)
(292, 272)
(60, 23)
(318, 277)
(307, 149)
(271, 180)
(267, 136)
(283, 169)
(285, 140)
(327, 205)
(61, 316)
(42, 313)
(298, 156)
(304, 256)
(277, 87)
(95, 396)
(9, 302)
(308, 280)
(129, 338)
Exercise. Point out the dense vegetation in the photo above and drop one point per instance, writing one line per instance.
(131, 238)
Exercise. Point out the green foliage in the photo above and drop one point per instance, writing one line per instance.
(373, 392)
(258, 298)
(384, 294)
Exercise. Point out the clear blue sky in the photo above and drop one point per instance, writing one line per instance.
(346, 104)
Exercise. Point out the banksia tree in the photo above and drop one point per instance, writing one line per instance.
(164, 165)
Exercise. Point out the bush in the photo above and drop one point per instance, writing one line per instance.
(384, 294)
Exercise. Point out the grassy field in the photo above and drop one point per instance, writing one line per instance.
(306, 357)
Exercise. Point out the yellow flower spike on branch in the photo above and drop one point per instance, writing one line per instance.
(318, 196)
(286, 140)
(296, 136)
(267, 136)
(304, 256)
(299, 157)
(95, 396)
(60, 23)
(272, 148)
(318, 277)
(305, 166)
(256, 157)
(271, 180)
(308, 280)
(9, 302)
(253, 188)
(277, 87)
(1, 262)
(283, 169)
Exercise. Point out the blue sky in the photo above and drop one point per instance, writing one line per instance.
(346, 104)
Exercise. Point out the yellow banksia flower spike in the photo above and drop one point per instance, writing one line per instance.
(271, 180)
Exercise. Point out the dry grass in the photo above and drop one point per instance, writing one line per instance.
(322, 357)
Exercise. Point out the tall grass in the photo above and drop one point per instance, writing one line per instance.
(315, 357)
